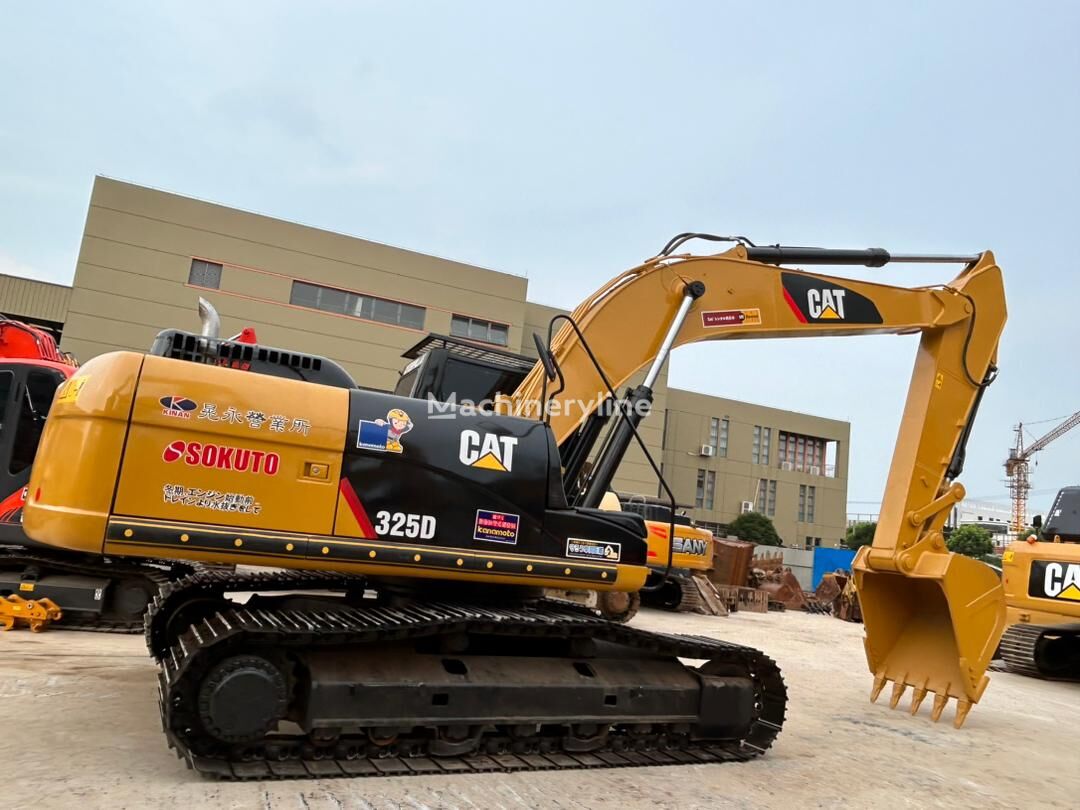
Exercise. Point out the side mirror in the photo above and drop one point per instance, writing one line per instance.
(546, 358)
(1037, 521)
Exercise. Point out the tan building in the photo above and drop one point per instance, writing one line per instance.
(35, 302)
(147, 255)
(726, 457)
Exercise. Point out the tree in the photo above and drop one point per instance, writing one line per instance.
(859, 535)
(755, 527)
(972, 541)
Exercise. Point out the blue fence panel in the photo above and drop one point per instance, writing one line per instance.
(830, 559)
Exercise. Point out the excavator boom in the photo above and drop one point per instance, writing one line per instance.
(932, 618)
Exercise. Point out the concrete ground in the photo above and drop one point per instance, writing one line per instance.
(79, 728)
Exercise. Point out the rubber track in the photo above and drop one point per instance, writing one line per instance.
(158, 573)
(182, 669)
(1018, 650)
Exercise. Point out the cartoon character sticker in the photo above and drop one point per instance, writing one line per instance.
(384, 435)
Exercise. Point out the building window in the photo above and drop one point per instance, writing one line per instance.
(368, 307)
(718, 432)
(812, 542)
(204, 274)
(766, 497)
(801, 453)
(807, 495)
(710, 489)
(477, 329)
(699, 497)
(759, 453)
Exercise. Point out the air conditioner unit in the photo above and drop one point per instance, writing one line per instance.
(814, 470)
(707, 450)
(747, 506)
(787, 465)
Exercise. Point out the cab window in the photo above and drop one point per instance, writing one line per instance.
(7, 386)
(29, 417)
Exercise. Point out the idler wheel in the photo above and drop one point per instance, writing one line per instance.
(242, 699)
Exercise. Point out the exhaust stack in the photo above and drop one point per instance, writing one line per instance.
(209, 318)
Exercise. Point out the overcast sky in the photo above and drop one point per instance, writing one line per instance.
(568, 141)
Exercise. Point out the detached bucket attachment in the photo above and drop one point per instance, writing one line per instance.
(933, 629)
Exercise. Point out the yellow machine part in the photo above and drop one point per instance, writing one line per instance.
(35, 613)
(693, 546)
(1059, 583)
(292, 518)
(932, 618)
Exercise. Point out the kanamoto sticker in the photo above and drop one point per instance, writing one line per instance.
(496, 527)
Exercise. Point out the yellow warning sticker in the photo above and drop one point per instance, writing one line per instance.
(26, 586)
(1008, 556)
(69, 391)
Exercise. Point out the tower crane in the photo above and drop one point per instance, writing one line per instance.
(1017, 466)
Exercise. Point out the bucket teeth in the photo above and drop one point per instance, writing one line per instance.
(939, 707)
(962, 709)
(879, 684)
(917, 698)
(918, 695)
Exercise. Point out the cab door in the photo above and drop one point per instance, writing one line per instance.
(26, 394)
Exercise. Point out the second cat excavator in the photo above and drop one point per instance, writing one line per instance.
(406, 629)
(1042, 592)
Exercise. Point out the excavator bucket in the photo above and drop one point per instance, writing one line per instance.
(932, 629)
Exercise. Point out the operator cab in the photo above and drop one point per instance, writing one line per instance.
(1064, 518)
(449, 369)
(653, 509)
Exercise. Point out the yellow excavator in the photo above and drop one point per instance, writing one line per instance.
(404, 629)
(1042, 589)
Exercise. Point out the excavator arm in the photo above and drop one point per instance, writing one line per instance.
(932, 618)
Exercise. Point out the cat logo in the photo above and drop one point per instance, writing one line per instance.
(487, 451)
(1055, 580)
(819, 300)
(826, 304)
